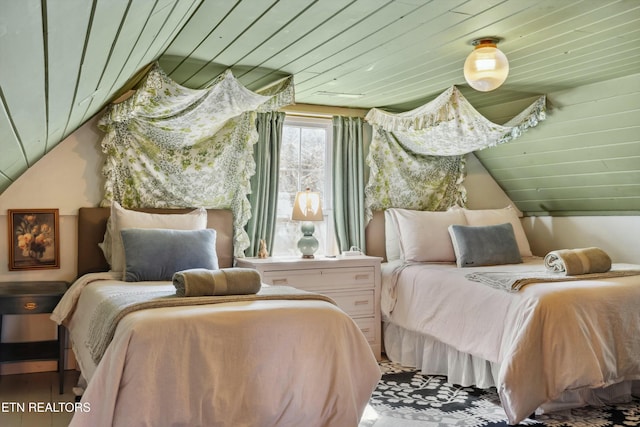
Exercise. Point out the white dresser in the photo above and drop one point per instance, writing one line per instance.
(353, 282)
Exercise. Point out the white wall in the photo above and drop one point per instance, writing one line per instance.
(67, 178)
(617, 235)
(482, 190)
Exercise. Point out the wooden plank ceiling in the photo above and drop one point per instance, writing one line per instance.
(62, 61)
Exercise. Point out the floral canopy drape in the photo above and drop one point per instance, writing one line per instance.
(170, 146)
(416, 158)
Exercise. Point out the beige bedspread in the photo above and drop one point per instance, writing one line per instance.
(111, 309)
(267, 363)
(546, 338)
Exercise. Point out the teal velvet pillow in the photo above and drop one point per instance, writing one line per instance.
(156, 254)
(484, 245)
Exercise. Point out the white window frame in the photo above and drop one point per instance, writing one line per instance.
(327, 203)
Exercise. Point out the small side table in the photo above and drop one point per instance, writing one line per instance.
(33, 298)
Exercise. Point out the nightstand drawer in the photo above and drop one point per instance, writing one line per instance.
(319, 280)
(368, 327)
(28, 304)
(354, 303)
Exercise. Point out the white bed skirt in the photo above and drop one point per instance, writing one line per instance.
(409, 348)
(432, 357)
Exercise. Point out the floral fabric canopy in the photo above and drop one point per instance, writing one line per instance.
(399, 178)
(170, 146)
(416, 158)
(450, 126)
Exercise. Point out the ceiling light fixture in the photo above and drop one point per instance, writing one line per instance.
(486, 68)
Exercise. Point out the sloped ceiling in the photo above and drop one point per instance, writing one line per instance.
(62, 61)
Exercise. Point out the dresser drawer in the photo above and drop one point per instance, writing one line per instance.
(302, 279)
(368, 327)
(356, 277)
(354, 303)
(323, 279)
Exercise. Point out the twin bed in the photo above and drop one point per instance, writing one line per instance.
(275, 361)
(548, 346)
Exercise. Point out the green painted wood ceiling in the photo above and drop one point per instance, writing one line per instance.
(62, 61)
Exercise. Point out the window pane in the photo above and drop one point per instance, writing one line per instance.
(303, 164)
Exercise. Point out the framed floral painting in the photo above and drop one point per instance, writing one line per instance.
(34, 241)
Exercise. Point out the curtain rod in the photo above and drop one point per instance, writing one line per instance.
(308, 115)
(322, 111)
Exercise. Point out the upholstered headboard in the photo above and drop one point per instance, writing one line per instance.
(375, 238)
(92, 223)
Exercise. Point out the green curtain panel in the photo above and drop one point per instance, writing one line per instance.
(264, 183)
(171, 146)
(348, 182)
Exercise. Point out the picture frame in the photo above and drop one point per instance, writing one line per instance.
(34, 239)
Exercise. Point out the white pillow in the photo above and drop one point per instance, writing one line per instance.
(500, 216)
(123, 218)
(105, 245)
(424, 235)
(392, 240)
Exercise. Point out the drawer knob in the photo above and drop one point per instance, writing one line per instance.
(362, 276)
(30, 306)
(280, 281)
(362, 302)
(364, 330)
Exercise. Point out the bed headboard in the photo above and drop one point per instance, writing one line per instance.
(374, 235)
(92, 223)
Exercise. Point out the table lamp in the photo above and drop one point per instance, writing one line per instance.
(307, 208)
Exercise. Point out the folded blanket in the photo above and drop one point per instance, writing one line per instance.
(578, 261)
(198, 282)
(513, 281)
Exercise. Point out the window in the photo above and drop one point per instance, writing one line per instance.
(305, 161)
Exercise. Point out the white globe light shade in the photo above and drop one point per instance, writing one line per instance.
(486, 68)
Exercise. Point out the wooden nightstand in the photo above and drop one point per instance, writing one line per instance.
(353, 282)
(33, 298)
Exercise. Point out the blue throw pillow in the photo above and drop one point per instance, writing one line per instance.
(484, 245)
(156, 254)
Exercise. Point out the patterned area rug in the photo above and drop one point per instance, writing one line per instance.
(406, 398)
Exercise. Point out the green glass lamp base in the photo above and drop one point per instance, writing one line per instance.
(308, 244)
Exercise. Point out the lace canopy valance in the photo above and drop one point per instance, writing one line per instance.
(449, 125)
(170, 146)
